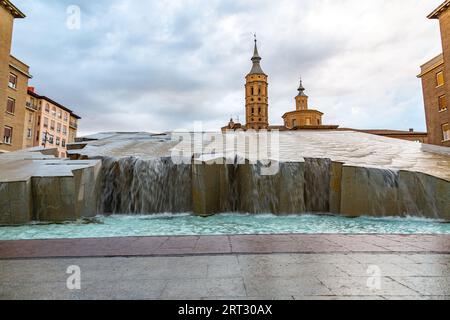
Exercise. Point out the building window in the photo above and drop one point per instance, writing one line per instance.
(29, 133)
(11, 105)
(52, 125)
(12, 81)
(66, 117)
(64, 130)
(63, 143)
(54, 111)
(58, 139)
(59, 114)
(440, 79)
(58, 127)
(446, 132)
(47, 108)
(44, 138)
(442, 102)
(7, 135)
(45, 122)
(30, 117)
(37, 136)
(50, 139)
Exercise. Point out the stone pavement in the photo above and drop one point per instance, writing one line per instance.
(317, 267)
(249, 244)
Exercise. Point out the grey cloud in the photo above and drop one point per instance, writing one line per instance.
(160, 65)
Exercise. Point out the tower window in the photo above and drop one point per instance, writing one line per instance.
(440, 81)
(252, 90)
(259, 110)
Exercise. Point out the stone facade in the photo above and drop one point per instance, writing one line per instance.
(256, 96)
(435, 75)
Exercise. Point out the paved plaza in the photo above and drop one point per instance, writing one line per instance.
(235, 267)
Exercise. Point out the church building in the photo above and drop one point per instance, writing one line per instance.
(257, 105)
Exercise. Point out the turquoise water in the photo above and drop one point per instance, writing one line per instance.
(229, 224)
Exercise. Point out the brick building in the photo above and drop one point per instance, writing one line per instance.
(14, 76)
(23, 113)
(435, 75)
(50, 125)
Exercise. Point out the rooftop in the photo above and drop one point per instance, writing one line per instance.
(8, 5)
(37, 96)
(431, 64)
(439, 10)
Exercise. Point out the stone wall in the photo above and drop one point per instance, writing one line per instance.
(321, 186)
(51, 199)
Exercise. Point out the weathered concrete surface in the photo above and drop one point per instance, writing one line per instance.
(345, 173)
(35, 186)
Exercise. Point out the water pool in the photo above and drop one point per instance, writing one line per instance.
(229, 224)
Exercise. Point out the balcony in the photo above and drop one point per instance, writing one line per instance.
(73, 125)
(31, 106)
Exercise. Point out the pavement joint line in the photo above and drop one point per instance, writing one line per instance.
(227, 254)
(404, 285)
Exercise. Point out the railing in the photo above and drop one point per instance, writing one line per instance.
(32, 106)
(73, 124)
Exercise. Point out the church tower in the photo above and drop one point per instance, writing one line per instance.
(301, 101)
(256, 95)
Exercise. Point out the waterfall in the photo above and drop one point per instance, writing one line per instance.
(146, 186)
(136, 186)
(317, 185)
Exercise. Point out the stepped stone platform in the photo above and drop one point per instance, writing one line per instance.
(37, 186)
(347, 173)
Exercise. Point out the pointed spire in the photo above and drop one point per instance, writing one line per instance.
(256, 53)
(256, 59)
(301, 89)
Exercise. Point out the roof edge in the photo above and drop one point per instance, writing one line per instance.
(437, 12)
(13, 9)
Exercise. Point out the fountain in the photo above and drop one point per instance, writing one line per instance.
(343, 173)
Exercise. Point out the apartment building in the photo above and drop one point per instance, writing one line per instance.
(54, 124)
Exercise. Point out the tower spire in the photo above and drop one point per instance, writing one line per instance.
(301, 89)
(256, 59)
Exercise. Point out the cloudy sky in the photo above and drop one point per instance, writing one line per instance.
(161, 65)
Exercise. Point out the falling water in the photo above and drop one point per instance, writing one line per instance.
(317, 185)
(136, 186)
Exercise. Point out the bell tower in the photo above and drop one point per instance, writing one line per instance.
(256, 95)
(301, 100)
